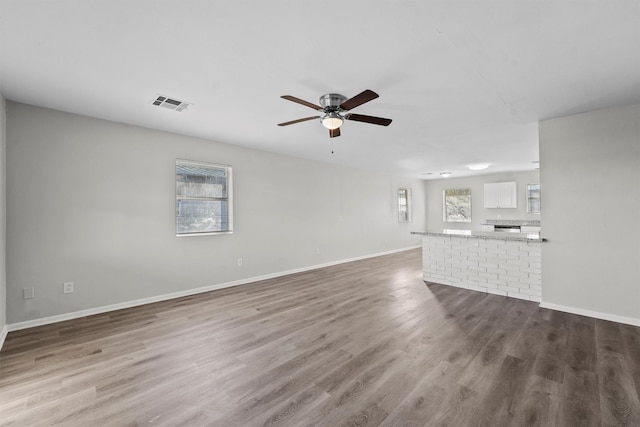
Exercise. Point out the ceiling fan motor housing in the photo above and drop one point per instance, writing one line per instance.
(332, 101)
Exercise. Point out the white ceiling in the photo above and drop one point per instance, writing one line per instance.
(464, 82)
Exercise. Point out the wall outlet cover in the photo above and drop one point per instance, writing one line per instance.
(28, 293)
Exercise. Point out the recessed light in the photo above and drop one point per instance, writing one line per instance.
(427, 173)
(478, 166)
(445, 174)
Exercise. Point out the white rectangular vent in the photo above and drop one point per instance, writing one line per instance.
(171, 103)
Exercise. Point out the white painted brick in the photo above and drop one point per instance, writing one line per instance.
(495, 252)
(512, 278)
(488, 265)
(530, 280)
(478, 288)
(534, 250)
(499, 267)
(518, 295)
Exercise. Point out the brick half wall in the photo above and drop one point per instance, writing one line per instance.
(502, 267)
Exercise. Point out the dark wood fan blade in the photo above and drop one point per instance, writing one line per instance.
(334, 132)
(368, 119)
(301, 101)
(359, 99)
(298, 121)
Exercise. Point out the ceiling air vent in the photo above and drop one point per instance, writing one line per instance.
(170, 103)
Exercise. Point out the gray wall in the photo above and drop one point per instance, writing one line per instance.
(479, 214)
(590, 180)
(92, 201)
(3, 204)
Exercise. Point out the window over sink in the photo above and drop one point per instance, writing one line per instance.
(457, 205)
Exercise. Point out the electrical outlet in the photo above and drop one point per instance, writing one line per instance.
(318, 251)
(239, 262)
(28, 293)
(67, 287)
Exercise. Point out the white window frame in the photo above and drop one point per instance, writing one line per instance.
(211, 223)
(530, 197)
(456, 203)
(404, 205)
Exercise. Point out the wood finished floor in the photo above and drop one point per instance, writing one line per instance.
(363, 343)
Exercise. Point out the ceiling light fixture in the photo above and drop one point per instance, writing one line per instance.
(332, 120)
(478, 166)
(445, 174)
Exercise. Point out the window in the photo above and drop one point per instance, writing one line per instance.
(533, 198)
(203, 198)
(457, 205)
(404, 205)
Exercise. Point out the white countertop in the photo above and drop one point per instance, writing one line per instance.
(493, 235)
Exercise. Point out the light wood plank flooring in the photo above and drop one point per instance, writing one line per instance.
(363, 343)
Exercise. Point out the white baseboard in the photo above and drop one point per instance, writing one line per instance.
(589, 313)
(128, 304)
(3, 335)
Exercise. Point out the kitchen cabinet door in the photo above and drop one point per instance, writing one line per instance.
(500, 195)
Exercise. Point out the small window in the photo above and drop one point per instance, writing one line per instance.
(457, 205)
(203, 198)
(404, 205)
(533, 198)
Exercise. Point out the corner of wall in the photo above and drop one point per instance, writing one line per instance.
(3, 240)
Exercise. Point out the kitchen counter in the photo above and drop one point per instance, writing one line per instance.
(491, 235)
(507, 264)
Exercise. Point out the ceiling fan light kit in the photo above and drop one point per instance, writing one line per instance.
(332, 121)
(333, 106)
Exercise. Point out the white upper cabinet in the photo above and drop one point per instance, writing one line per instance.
(500, 195)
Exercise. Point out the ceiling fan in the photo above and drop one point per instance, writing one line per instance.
(333, 107)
